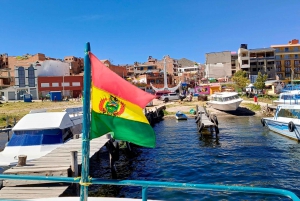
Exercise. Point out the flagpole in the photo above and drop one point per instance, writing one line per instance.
(86, 121)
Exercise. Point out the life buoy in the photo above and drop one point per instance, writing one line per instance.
(263, 122)
(291, 126)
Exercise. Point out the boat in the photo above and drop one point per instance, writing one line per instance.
(40, 132)
(180, 116)
(225, 101)
(290, 97)
(285, 121)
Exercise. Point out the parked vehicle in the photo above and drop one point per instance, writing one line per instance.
(158, 94)
(168, 97)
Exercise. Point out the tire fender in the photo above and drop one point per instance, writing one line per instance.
(291, 126)
(263, 122)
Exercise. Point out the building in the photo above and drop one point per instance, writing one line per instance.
(5, 77)
(188, 71)
(257, 60)
(75, 64)
(234, 63)
(287, 58)
(218, 65)
(70, 86)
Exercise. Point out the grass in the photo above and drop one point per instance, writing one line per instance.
(18, 109)
(252, 107)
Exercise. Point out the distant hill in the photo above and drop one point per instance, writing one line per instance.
(185, 62)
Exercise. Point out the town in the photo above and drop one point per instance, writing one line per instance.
(39, 74)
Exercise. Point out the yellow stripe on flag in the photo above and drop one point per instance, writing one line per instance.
(116, 106)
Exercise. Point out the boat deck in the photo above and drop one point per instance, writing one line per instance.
(56, 163)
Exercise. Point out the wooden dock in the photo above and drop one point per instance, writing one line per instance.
(56, 163)
(206, 121)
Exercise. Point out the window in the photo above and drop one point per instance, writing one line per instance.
(76, 84)
(270, 62)
(31, 77)
(55, 84)
(286, 49)
(278, 69)
(287, 70)
(21, 72)
(297, 62)
(287, 63)
(296, 56)
(296, 49)
(45, 85)
(278, 63)
(245, 62)
(286, 56)
(65, 84)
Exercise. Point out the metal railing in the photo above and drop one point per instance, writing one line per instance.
(156, 184)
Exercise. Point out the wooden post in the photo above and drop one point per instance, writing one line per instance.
(74, 169)
(74, 163)
(22, 160)
(15, 121)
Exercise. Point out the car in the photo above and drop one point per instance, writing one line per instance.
(169, 96)
(158, 94)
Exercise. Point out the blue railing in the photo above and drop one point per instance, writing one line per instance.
(146, 184)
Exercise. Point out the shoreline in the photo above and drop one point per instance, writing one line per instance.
(185, 107)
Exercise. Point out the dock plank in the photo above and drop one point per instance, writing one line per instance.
(56, 163)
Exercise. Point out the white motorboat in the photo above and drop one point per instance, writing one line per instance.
(286, 121)
(291, 97)
(40, 132)
(226, 101)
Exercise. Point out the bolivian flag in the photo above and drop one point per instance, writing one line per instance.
(117, 106)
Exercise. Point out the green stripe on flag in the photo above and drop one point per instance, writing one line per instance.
(126, 130)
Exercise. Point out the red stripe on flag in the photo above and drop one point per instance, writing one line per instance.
(104, 78)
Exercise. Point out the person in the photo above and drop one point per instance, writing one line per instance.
(191, 96)
(54, 98)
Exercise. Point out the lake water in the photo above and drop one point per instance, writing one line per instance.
(246, 154)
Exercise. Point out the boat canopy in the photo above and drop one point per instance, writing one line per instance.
(44, 120)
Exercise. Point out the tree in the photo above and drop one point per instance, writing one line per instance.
(240, 79)
(260, 81)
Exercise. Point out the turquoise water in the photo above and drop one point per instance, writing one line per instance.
(246, 154)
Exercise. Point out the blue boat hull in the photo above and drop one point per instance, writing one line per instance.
(282, 128)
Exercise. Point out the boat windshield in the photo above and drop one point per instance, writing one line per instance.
(289, 113)
(224, 99)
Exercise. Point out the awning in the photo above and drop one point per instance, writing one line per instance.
(271, 82)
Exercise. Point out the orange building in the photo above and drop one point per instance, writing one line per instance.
(287, 58)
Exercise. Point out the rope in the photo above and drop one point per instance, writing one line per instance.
(84, 183)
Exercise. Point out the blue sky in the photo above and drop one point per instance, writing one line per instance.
(131, 30)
